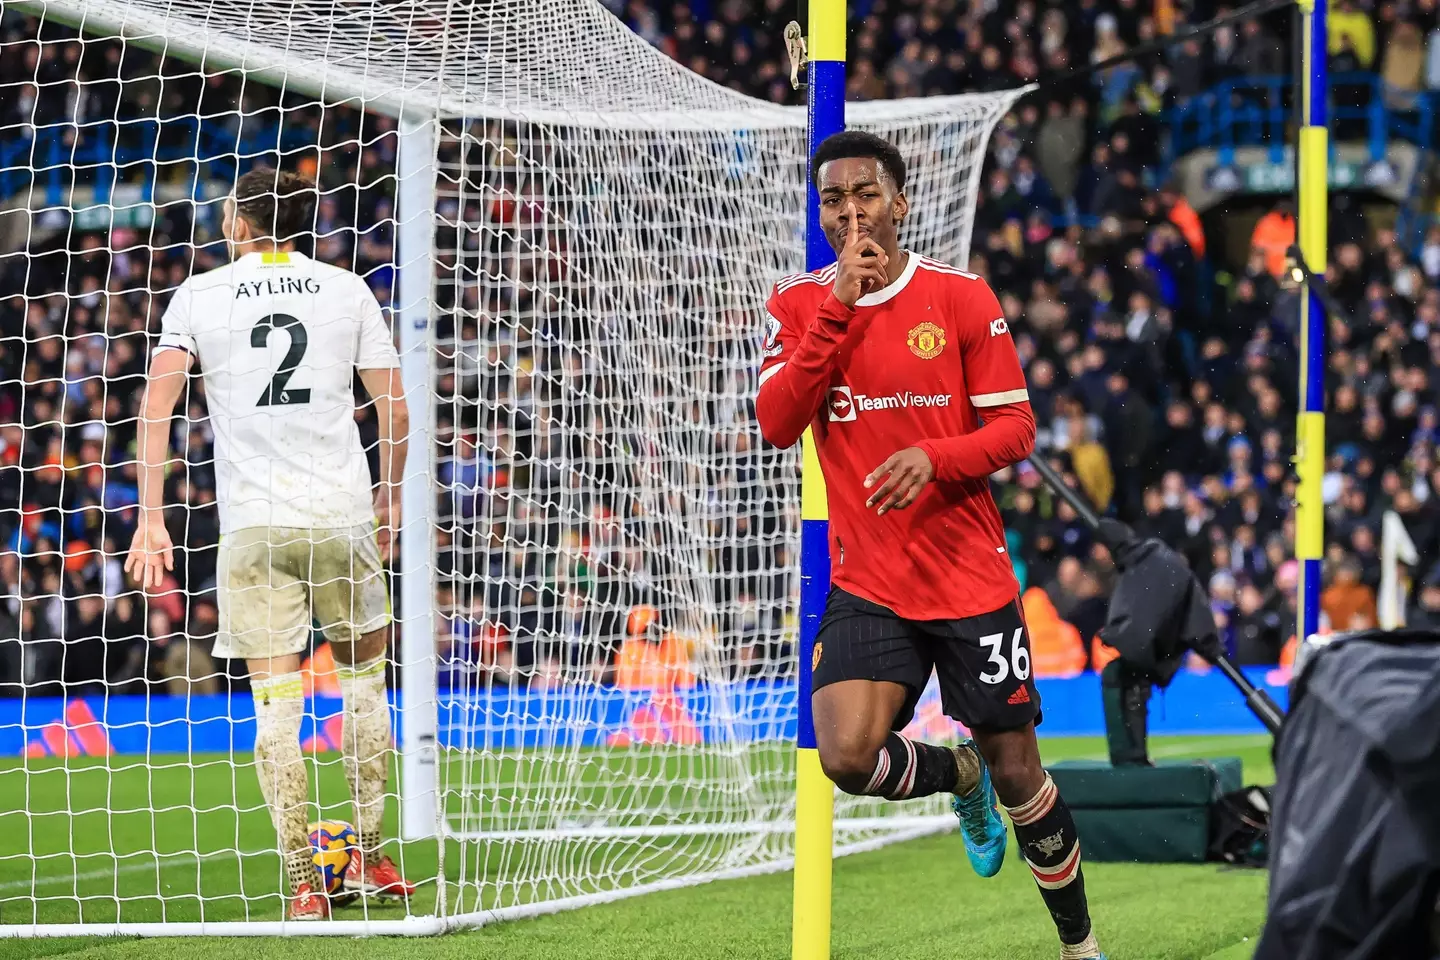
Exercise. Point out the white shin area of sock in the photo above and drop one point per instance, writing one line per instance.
(366, 746)
(279, 706)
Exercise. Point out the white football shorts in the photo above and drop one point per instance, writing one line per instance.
(273, 582)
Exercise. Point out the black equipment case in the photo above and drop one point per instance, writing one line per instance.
(1355, 835)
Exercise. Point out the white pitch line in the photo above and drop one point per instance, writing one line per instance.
(153, 865)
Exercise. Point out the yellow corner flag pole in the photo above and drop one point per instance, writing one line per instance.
(814, 795)
(1313, 189)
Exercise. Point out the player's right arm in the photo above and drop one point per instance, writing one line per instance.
(801, 351)
(392, 415)
(151, 550)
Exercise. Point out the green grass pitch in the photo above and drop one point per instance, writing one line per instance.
(910, 900)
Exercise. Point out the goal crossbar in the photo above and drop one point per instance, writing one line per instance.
(150, 26)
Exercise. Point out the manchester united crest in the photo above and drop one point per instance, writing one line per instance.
(815, 657)
(926, 341)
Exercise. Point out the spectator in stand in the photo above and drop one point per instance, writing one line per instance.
(1061, 144)
(1260, 53)
(1348, 603)
(1351, 31)
(1404, 61)
(1225, 56)
(1424, 612)
(1273, 237)
(1116, 81)
(1432, 58)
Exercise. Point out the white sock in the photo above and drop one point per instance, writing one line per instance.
(279, 705)
(366, 743)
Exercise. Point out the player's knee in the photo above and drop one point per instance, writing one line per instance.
(849, 762)
(1016, 776)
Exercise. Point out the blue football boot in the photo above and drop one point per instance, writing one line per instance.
(981, 828)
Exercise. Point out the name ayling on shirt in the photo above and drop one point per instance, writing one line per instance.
(276, 286)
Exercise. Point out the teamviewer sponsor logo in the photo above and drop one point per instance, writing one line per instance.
(846, 405)
(896, 401)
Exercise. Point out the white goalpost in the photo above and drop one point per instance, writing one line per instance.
(596, 582)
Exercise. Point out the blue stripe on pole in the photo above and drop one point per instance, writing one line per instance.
(1310, 603)
(1315, 363)
(814, 587)
(1319, 70)
(827, 116)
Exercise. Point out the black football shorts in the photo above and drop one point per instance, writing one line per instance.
(983, 662)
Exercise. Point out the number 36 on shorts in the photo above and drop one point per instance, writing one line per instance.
(1008, 657)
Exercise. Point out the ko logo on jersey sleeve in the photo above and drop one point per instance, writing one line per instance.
(773, 346)
(842, 405)
(998, 327)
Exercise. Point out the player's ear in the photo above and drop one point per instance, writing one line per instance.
(900, 207)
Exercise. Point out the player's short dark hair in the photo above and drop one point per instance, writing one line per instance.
(277, 204)
(849, 144)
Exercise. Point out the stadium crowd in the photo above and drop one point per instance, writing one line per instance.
(1170, 399)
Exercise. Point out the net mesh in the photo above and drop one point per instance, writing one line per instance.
(615, 566)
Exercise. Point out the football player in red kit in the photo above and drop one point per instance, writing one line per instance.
(905, 368)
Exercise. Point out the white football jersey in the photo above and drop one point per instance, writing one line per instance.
(279, 337)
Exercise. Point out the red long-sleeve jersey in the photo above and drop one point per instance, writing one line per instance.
(916, 364)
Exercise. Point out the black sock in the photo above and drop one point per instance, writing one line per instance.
(906, 769)
(1046, 833)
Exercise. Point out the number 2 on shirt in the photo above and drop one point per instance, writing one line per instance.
(275, 394)
(1019, 661)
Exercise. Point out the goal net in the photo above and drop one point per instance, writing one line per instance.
(593, 676)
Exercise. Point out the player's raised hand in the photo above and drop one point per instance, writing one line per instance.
(904, 475)
(152, 552)
(861, 266)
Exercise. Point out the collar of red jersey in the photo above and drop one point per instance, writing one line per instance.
(912, 262)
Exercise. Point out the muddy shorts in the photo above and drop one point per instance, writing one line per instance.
(275, 582)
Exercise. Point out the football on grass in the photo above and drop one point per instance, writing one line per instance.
(334, 844)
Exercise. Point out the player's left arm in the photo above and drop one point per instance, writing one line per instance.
(997, 389)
